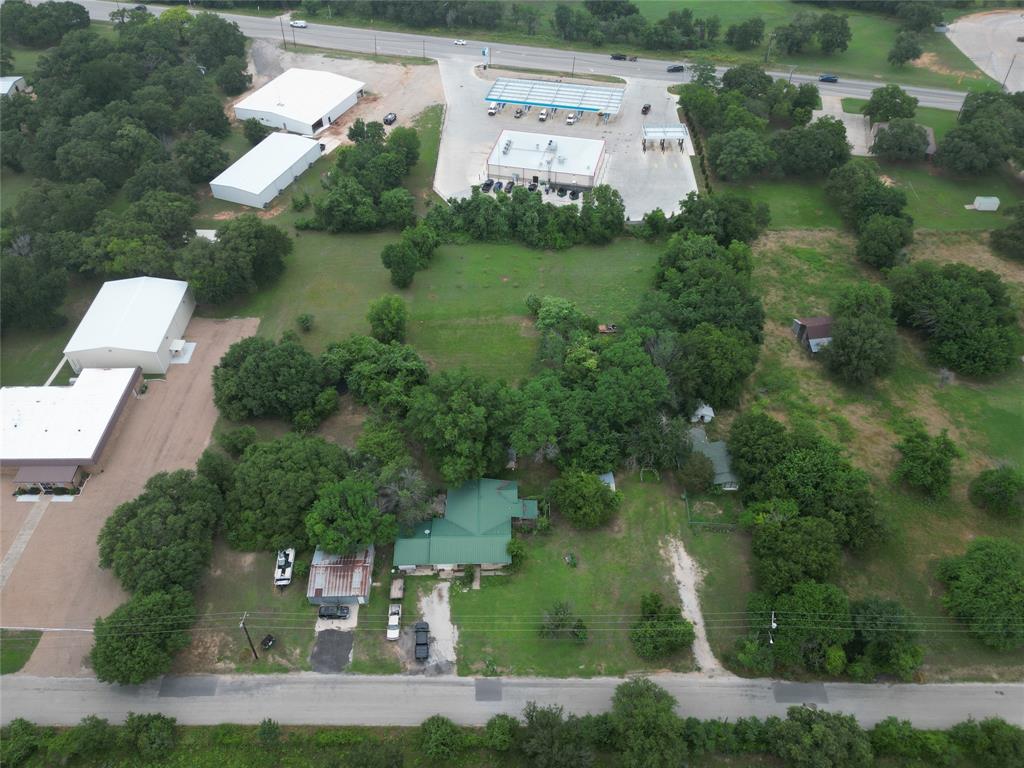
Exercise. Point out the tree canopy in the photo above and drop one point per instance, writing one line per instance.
(864, 340)
(345, 517)
(584, 499)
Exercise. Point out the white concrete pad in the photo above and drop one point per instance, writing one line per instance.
(990, 41)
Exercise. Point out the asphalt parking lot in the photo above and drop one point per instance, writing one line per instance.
(655, 179)
(56, 580)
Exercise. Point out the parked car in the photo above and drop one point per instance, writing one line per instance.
(543, 115)
(492, 108)
(333, 612)
(486, 186)
(422, 630)
(574, 195)
(509, 185)
(460, 42)
(421, 652)
(283, 567)
(518, 113)
(562, 191)
(618, 57)
(828, 79)
(298, 24)
(645, 109)
(632, 58)
(394, 621)
(532, 187)
(675, 68)
(497, 186)
(141, 8)
(390, 118)
(571, 118)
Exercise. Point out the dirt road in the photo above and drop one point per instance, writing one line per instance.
(687, 575)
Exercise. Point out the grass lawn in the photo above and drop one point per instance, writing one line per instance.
(943, 65)
(243, 581)
(372, 654)
(16, 646)
(420, 180)
(498, 625)
(801, 274)
(797, 204)
(939, 120)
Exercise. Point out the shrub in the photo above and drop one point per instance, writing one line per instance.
(387, 317)
(92, 737)
(999, 491)
(269, 734)
(305, 322)
(236, 440)
(560, 623)
(152, 736)
(661, 630)
(500, 732)
(584, 499)
(882, 240)
(926, 463)
(440, 738)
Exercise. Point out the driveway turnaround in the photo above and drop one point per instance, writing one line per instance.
(56, 580)
(307, 698)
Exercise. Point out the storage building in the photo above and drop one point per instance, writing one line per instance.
(12, 84)
(266, 170)
(546, 159)
(134, 323)
(49, 432)
(340, 579)
(302, 101)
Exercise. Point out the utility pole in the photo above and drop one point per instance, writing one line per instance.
(283, 38)
(1008, 71)
(424, 49)
(245, 629)
(294, 44)
(573, 73)
(374, 45)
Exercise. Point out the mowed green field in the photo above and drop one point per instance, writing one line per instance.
(499, 623)
(16, 646)
(943, 65)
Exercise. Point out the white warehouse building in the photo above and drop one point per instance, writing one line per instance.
(134, 323)
(266, 170)
(546, 159)
(302, 101)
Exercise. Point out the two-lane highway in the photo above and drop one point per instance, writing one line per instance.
(361, 40)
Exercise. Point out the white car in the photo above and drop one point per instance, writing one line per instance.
(460, 42)
(298, 24)
(543, 115)
(571, 119)
(394, 620)
(283, 567)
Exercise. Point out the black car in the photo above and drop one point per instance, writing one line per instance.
(675, 68)
(509, 185)
(422, 652)
(390, 118)
(828, 79)
(574, 195)
(532, 187)
(618, 57)
(486, 186)
(333, 612)
(562, 191)
(645, 109)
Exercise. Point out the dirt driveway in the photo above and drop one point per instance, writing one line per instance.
(405, 89)
(57, 581)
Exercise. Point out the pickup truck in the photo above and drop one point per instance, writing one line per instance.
(283, 567)
(394, 621)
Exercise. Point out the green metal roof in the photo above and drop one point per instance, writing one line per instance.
(476, 527)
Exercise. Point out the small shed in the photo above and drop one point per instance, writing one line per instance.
(608, 478)
(718, 454)
(704, 414)
(340, 579)
(814, 333)
(986, 204)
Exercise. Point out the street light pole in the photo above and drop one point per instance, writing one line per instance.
(573, 73)
(1008, 71)
(283, 38)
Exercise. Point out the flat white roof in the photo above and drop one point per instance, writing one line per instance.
(549, 93)
(129, 314)
(8, 82)
(305, 95)
(262, 165)
(61, 423)
(672, 131)
(544, 152)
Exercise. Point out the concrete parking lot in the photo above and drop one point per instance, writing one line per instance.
(654, 179)
(989, 39)
(56, 581)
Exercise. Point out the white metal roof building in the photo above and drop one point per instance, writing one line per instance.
(64, 426)
(301, 100)
(266, 170)
(546, 158)
(12, 84)
(132, 323)
(556, 95)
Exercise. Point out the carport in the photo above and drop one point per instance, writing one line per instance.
(554, 95)
(677, 132)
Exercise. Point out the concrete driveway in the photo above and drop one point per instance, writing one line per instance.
(858, 127)
(654, 179)
(990, 41)
(56, 580)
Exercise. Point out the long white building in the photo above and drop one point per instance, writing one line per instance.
(302, 101)
(134, 323)
(546, 158)
(266, 170)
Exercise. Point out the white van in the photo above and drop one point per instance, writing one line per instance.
(543, 115)
(493, 109)
(571, 119)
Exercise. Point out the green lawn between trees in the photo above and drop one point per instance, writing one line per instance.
(16, 646)
(873, 36)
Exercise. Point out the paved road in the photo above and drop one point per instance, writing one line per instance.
(312, 699)
(403, 44)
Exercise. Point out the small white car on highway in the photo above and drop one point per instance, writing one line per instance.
(298, 24)
(460, 42)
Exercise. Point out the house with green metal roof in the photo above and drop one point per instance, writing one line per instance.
(475, 529)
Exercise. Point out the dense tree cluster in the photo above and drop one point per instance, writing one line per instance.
(989, 130)
(661, 630)
(1009, 240)
(134, 114)
(964, 314)
(387, 317)
(583, 499)
(1000, 491)
(901, 140)
(926, 462)
(985, 590)
(863, 345)
(379, 375)
(889, 103)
